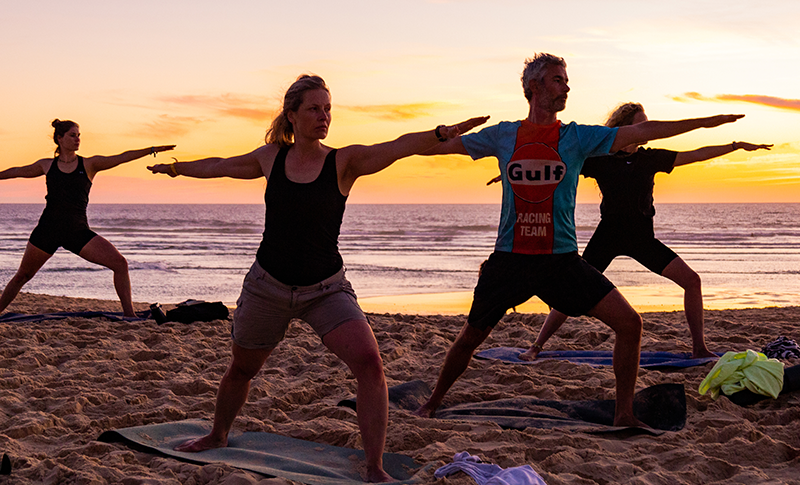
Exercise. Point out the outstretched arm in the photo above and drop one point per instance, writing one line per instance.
(654, 130)
(246, 166)
(707, 153)
(99, 163)
(365, 160)
(28, 171)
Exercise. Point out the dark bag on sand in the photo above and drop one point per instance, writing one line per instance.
(191, 311)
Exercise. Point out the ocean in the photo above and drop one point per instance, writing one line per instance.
(746, 254)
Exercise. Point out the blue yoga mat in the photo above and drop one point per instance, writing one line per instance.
(597, 358)
(38, 317)
(264, 453)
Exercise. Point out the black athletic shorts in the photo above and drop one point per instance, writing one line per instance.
(564, 281)
(629, 238)
(49, 237)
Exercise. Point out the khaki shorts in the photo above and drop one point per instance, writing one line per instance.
(266, 306)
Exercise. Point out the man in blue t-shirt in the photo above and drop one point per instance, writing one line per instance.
(536, 252)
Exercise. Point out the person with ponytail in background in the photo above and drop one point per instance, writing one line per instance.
(64, 223)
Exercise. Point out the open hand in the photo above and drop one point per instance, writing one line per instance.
(713, 121)
(750, 147)
(463, 127)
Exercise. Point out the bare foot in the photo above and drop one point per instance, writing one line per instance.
(629, 421)
(703, 353)
(377, 475)
(529, 354)
(425, 411)
(201, 444)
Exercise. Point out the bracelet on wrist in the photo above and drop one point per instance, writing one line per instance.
(733, 145)
(438, 133)
(172, 169)
(153, 151)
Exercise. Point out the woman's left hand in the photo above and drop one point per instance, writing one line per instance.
(750, 147)
(453, 131)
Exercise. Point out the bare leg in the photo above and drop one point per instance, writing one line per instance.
(231, 396)
(456, 362)
(614, 311)
(355, 344)
(33, 259)
(102, 252)
(551, 325)
(680, 272)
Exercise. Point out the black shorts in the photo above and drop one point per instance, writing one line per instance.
(563, 281)
(49, 238)
(634, 239)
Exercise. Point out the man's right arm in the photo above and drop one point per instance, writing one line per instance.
(655, 130)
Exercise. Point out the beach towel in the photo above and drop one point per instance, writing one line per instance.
(488, 474)
(662, 407)
(737, 371)
(264, 453)
(596, 358)
(113, 316)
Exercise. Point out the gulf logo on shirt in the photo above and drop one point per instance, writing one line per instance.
(535, 170)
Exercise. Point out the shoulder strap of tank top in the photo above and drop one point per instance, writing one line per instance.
(279, 165)
(330, 165)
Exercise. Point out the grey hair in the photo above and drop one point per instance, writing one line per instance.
(534, 70)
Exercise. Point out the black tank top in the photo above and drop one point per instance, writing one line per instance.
(67, 195)
(301, 228)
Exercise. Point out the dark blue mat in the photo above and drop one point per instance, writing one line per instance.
(114, 316)
(264, 453)
(597, 358)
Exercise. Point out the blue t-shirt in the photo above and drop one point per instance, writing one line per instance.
(539, 167)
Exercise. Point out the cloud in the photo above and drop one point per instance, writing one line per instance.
(771, 101)
(391, 112)
(232, 105)
(166, 126)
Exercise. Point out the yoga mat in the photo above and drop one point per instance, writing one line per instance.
(663, 407)
(264, 453)
(597, 358)
(113, 316)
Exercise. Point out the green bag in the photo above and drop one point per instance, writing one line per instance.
(736, 371)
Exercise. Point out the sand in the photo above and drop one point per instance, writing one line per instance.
(65, 382)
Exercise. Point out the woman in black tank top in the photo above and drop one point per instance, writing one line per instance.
(307, 186)
(63, 222)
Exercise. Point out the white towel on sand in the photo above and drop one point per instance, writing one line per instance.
(486, 474)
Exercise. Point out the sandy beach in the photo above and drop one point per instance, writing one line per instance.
(64, 382)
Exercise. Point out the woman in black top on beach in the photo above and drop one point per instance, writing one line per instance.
(298, 271)
(626, 181)
(63, 222)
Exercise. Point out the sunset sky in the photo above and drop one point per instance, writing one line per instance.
(208, 76)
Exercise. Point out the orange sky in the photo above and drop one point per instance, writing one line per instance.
(208, 77)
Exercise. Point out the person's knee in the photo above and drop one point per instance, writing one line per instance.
(369, 367)
(23, 276)
(630, 323)
(119, 264)
(692, 281)
(241, 373)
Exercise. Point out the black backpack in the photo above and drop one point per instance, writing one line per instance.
(190, 311)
